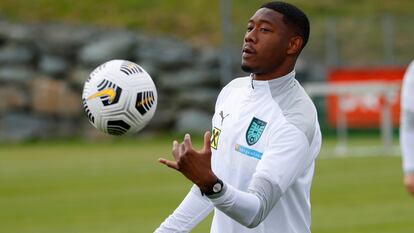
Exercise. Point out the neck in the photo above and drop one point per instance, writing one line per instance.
(280, 71)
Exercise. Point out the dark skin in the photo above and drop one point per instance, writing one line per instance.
(270, 47)
(195, 165)
(270, 50)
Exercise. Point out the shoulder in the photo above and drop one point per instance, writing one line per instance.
(409, 73)
(236, 83)
(298, 110)
(407, 91)
(409, 76)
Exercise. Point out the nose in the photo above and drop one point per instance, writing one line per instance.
(250, 36)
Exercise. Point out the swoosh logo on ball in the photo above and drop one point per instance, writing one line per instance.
(110, 92)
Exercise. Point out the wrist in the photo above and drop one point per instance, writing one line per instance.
(208, 183)
(213, 188)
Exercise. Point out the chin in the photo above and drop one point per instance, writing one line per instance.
(247, 68)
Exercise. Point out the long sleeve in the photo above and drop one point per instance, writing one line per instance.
(192, 210)
(406, 141)
(287, 158)
(407, 120)
(266, 138)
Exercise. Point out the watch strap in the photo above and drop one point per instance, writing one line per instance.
(215, 189)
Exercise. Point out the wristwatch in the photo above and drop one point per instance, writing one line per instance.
(216, 188)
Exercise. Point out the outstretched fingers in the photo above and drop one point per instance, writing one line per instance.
(207, 138)
(169, 163)
(176, 150)
(187, 142)
(176, 155)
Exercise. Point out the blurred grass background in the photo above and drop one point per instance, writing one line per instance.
(118, 186)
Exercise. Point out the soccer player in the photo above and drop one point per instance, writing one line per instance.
(256, 168)
(407, 127)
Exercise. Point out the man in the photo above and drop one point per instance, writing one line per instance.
(407, 127)
(256, 170)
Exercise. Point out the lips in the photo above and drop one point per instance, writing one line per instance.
(248, 51)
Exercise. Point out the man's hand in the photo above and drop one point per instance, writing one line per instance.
(195, 165)
(409, 182)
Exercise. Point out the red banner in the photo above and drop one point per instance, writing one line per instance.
(363, 110)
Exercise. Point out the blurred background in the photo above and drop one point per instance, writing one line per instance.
(59, 174)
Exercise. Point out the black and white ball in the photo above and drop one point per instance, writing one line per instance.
(119, 97)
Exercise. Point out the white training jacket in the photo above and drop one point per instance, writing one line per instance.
(407, 120)
(265, 139)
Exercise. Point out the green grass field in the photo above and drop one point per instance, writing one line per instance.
(119, 187)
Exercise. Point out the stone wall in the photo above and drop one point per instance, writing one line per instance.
(43, 67)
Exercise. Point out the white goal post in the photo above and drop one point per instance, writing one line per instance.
(387, 91)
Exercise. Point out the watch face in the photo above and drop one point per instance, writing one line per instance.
(217, 187)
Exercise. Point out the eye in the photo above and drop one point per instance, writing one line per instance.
(265, 30)
(249, 28)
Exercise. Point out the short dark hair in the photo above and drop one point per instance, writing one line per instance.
(292, 16)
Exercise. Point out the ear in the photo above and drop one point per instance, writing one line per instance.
(295, 45)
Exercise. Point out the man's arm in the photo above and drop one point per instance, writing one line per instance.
(407, 148)
(195, 165)
(193, 209)
(407, 128)
(288, 157)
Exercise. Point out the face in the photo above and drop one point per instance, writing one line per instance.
(266, 42)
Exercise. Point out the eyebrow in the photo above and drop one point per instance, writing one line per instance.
(262, 21)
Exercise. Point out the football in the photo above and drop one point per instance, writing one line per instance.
(119, 97)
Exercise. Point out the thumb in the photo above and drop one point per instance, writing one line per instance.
(207, 138)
